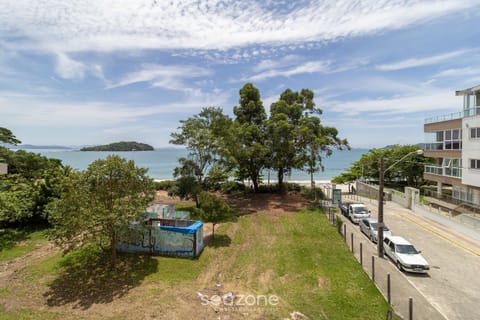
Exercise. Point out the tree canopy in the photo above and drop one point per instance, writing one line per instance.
(291, 138)
(6, 136)
(95, 205)
(408, 171)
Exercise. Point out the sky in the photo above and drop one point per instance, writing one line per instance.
(91, 72)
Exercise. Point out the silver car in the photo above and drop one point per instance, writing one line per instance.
(369, 226)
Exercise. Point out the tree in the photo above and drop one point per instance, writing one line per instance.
(6, 136)
(316, 142)
(203, 135)
(213, 209)
(247, 149)
(97, 204)
(409, 171)
(296, 136)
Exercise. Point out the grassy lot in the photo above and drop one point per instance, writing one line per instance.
(17, 242)
(299, 258)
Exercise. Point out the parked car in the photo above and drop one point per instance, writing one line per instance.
(404, 255)
(369, 227)
(354, 211)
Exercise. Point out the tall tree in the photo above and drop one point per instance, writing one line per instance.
(96, 204)
(316, 142)
(203, 135)
(247, 149)
(296, 136)
(6, 136)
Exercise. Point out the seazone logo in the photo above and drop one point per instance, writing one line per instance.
(239, 300)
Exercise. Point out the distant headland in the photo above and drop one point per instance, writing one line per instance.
(121, 146)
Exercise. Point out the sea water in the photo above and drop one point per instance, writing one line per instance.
(161, 162)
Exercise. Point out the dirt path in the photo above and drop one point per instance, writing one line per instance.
(11, 268)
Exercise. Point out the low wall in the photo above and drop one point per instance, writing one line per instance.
(159, 239)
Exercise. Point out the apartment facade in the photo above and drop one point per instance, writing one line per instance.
(453, 140)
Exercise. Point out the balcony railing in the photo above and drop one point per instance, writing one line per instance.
(444, 171)
(454, 115)
(434, 170)
(447, 145)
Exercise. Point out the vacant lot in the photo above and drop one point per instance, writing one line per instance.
(270, 263)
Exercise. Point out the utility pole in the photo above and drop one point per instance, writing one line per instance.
(380, 208)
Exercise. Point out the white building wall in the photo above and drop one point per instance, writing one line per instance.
(470, 150)
(3, 168)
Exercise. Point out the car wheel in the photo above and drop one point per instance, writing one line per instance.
(399, 265)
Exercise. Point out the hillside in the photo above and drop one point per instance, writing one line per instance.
(121, 146)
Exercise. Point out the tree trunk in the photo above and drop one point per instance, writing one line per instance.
(255, 183)
(113, 242)
(280, 180)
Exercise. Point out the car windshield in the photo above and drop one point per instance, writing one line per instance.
(360, 210)
(406, 249)
(374, 227)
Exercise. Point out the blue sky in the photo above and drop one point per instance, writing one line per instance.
(92, 71)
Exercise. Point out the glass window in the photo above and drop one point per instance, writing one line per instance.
(439, 135)
(448, 135)
(475, 133)
(475, 163)
(455, 134)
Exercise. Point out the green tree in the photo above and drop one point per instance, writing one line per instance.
(204, 137)
(97, 204)
(213, 209)
(297, 138)
(408, 171)
(247, 149)
(6, 136)
(17, 199)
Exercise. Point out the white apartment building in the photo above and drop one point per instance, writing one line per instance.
(453, 140)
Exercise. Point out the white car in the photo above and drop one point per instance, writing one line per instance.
(369, 227)
(404, 255)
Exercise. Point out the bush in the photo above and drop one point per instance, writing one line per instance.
(164, 185)
(232, 186)
(309, 193)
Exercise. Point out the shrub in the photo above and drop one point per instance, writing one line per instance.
(232, 186)
(164, 185)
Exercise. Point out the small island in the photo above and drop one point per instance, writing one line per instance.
(121, 146)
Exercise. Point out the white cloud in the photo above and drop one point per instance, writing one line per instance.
(458, 72)
(419, 62)
(163, 76)
(433, 100)
(68, 68)
(108, 25)
(285, 61)
(32, 110)
(307, 67)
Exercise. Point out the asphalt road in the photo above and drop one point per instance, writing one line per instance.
(451, 290)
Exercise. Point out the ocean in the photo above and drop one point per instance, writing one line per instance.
(161, 162)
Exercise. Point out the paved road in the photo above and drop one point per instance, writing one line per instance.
(451, 290)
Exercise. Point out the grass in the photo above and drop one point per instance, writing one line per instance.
(18, 242)
(299, 258)
(303, 260)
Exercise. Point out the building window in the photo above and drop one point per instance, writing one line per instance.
(475, 133)
(474, 163)
(453, 139)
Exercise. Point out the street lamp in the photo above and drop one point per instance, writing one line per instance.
(380, 197)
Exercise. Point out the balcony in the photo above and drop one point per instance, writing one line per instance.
(444, 171)
(454, 115)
